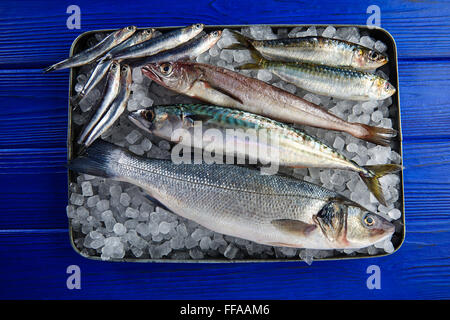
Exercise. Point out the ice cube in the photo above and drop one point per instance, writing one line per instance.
(329, 32)
(352, 147)
(231, 251)
(227, 55)
(133, 137)
(102, 205)
(131, 213)
(137, 149)
(338, 143)
(196, 254)
(76, 199)
(367, 41)
(264, 75)
(143, 229)
(146, 144)
(205, 243)
(125, 199)
(164, 227)
(395, 214)
(119, 229)
(146, 102)
(380, 46)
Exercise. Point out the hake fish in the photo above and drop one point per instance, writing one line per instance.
(288, 146)
(342, 83)
(223, 87)
(111, 91)
(116, 108)
(317, 50)
(163, 42)
(237, 201)
(186, 51)
(96, 51)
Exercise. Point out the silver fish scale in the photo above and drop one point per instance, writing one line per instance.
(223, 194)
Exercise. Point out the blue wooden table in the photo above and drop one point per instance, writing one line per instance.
(34, 243)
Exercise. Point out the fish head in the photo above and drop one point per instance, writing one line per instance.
(191, 31)
(347, 225)
(214, 36)
(114, 70)
(178, 76)
(160, 121)
(368, 59)
(126, 32)
(365, 228)
(381, 89)
(125, 74)
(147, 33)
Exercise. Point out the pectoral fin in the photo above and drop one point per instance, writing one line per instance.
(295, 227)
(205, 91)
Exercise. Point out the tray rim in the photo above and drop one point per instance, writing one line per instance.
(167, 260)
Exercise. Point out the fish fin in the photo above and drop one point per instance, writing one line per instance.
(282, 244)
(49, 69)
(208, 85)
(376, 172)
(97, 160)
(250, 66)
(377, 135)
(295, 227)
(246, 43)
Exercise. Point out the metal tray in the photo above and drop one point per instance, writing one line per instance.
(79, 44)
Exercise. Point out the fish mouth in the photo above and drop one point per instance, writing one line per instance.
(148, 71)
(138, 120)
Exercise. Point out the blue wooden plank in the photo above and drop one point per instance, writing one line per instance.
(37, 265)
(30, 36)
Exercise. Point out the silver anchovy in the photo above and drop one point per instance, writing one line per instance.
(96, 76)
(237, 201)
(111, 91)
(165, 41)
(116, 109)
(138, 37)
(96, 51)
(186, 51)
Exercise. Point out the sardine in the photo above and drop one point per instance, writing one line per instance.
(288, 146)
(116, 109)
(111, 91)
(186, 51)
(96, 51)
(317, 50)
(342, 83)
(220, 86)
(237, 201)
(165, 41)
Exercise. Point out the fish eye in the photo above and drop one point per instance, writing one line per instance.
(369, 221)
(215, 33)
(130, 28)
(373, 55)
(198, 26)
(124, 68)
(114, 66)
(149, 115)
(166, 68)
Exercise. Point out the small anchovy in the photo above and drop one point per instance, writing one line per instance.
(342, 83)
(223, 87)
(186, 51)
(139, 37)
(237, 201)
(96, 76)
(283, 145)
(317, 50)
(116, 109)
(165, 41)
(111, 91)
(96, 51)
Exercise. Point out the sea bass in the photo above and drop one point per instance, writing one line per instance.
(165, 41)
(116, 108)
(283, 144)
(317, 50)
(240, 202)
(223, 87)
(96, 51)
(342, 83)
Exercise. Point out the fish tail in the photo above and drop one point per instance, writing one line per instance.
(245, 43)
(377, 135)
(372, 175)
(100, 159)
(250, 66)
(49, 69)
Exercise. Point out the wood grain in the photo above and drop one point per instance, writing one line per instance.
(34, 243)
